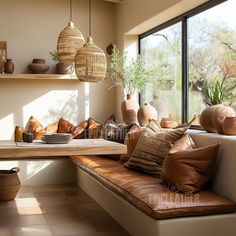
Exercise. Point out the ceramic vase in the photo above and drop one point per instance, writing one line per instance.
(129, 109)
(65, 68)
(9, 66)
(38, 66)
(146, 113)
(220, 113)
(229, 125)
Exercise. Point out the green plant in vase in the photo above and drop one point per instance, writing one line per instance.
(131, 75)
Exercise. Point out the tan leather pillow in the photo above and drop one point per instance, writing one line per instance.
(35, 127)
(131, 141)
(186, 168)
(152, 147)
(64, 126)
(52, 128)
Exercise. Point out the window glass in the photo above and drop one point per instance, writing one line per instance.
(162, 51)
(212, 56)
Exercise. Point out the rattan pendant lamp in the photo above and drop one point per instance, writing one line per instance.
(69, 41)
(90, 60)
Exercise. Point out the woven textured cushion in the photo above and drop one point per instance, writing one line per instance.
(152, 147)
(35, 127)
(186, 168)
(131, 141)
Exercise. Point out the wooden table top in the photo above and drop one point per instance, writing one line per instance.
(38, 149)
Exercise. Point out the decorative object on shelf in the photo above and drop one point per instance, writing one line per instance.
(220, 113)
(9, 66)
(109, 49)
(131, 76)
(18, 134)
(146, 113)
(57, 138)
(62, 67)
(168, 123)
(69, 41)
(3, 55)
(38, 66)
(229, 125)
(212, 117)
(90, 60)
(129, 109)
(9, 184)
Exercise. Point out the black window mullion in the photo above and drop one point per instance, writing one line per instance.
(185, 71)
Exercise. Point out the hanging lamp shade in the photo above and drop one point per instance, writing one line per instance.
(90, 62)
(69, 41)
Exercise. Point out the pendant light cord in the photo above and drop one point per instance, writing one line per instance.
(90, 17)
(70, 10)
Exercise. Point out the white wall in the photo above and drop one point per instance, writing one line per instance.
(31, 29)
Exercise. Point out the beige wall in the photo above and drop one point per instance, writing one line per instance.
(134, 17)
(31, 29)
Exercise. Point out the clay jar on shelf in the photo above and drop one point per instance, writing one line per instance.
(38, 66)
(9, 66)
(229, 125)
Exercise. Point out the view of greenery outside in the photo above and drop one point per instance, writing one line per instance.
(212, 56)
(162, 50)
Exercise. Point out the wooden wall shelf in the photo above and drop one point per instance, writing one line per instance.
(37, 77)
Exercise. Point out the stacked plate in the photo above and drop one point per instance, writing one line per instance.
(57, 138)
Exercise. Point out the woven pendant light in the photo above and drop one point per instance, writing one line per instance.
(90, 60)
(69, 41)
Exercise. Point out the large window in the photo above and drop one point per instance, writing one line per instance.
(192, 55)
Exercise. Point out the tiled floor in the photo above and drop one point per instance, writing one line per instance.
(60, 210)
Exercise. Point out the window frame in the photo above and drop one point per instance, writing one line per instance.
(183, 19)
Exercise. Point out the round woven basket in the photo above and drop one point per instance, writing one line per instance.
(9, 184)
(69, 41)
(90, 62)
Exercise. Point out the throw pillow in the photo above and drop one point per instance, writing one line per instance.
(187, 169)
(152, 147)
(131, 141)
(52, 128)
(64, 126)
(35, 127)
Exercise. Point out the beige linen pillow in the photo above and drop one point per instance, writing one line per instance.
(152, 147)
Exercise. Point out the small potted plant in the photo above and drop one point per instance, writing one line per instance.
(62, 67)
(132, 76)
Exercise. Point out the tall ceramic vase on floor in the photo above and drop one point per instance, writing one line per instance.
(129, 108)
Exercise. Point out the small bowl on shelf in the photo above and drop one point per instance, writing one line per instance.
(38, 66)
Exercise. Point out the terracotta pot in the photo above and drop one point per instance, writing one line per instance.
(229, 125)
(206, 119)
(129, 109)
(9, 66)
(146, 113)
(168, 123)
(220, 113)
(38, 66)
(65, 68)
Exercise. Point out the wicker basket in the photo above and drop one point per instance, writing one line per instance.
(9, 184)
(69, 41)
(90, 63)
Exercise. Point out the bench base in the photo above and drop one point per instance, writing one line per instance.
(138, 223)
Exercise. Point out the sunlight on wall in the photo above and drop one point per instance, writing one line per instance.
(7, 165)
(34, 167)
(52, 106)
(6, 127)
(87, 101)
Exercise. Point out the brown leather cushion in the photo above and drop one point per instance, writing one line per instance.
(52, 128)
(152, 147)
(35, 127)
(147, 194)
(188, 168)
(64, 126)
(131, 141)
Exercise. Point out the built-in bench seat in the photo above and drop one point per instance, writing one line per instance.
(147, 194)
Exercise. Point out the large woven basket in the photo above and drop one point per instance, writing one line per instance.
(90, 62)
(9, 184)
